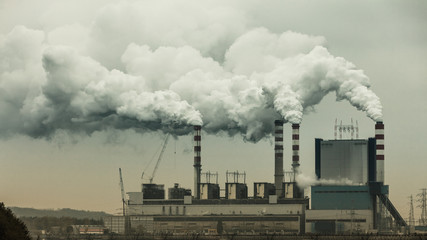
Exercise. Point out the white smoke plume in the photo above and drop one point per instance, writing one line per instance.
(132, 69)
(305, 181)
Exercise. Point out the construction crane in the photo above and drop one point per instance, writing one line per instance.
(123, 192)
(165, 142)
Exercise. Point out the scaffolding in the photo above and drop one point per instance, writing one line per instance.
(208, 175)
(350, 128)
(235, 176)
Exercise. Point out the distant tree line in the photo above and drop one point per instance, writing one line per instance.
(46, 223)
(10, 226)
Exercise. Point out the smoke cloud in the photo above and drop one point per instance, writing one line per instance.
(133, 69)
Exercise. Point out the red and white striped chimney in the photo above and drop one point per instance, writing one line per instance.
(197, 160)
(379, 137)
(295, 149)
(278, 157)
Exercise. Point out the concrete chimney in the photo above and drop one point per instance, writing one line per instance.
(295, 149)
(379, 137)
(197, 160)
(278, 157)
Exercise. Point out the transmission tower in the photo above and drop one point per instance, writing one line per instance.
(411, 212)
(422, 199)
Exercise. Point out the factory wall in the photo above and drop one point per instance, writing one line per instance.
(236, 191)
(216, 209)
(115, 224)
(372, 163)
(228, 224)
(342, 159)
(292, 190)
(178, 192)
(263, 189)
(355, 161)
(135, 197)
(339, 221)
(341, 197)
(210, 216)
(209, 191)
(153, 191)
(279, 224)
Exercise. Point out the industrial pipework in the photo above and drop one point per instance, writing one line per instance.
(278, 157)
(379, 137)
(295, 149)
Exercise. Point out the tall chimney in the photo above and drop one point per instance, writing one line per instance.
(278, 157)
(295, 149)
(197, 159)
(379, 137)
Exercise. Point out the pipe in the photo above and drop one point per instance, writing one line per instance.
(197, 160)
(278, 157)
(379, 137)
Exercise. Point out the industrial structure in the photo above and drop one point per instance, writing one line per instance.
(357, 201)
(354, 198)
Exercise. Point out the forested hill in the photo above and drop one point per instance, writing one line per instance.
(65, 212)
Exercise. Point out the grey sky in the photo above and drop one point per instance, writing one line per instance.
(386, 39)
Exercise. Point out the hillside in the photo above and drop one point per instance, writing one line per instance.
(65, 212)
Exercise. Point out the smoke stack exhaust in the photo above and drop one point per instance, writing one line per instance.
(197, 160)
(295, 149)
(379, 137)
(278, 157)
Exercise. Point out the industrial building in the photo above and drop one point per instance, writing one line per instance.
(359, 204)
(353, 197)
(275, 208)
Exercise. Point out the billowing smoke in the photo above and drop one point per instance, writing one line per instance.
(131, 69)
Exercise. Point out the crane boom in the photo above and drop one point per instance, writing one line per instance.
(123, 191)
(160, 158)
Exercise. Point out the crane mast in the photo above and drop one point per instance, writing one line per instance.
(165, 142)
(123, 191)
(160, 158)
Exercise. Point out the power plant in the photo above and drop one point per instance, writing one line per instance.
(348, 197)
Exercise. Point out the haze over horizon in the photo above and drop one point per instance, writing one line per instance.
(87, 88)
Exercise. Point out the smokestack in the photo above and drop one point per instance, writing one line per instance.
(278, 157)
(379, 137)
(295, 149)
(197, 160)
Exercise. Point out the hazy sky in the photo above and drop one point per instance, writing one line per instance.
(86, 88)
